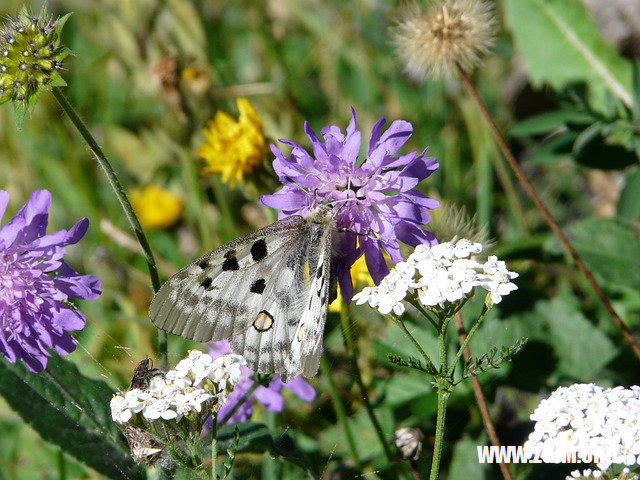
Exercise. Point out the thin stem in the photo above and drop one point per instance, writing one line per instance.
(124, 203)
(341, 412)
(353, 357)
(626, 333)
(443, 394)
(467, 339)
(406, 331)
(214, 445)
(240, 402)
(424, 312)
(480, 400)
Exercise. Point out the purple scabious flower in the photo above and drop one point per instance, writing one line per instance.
(384, 204)
(36, 284)
(268, 396)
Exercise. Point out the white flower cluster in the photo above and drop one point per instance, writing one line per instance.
(589, 474)
(586, 421)
(446, 273)
(180, 391)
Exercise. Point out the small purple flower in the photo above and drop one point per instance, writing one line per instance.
(268, 396)
(385, 206)
(34, 311)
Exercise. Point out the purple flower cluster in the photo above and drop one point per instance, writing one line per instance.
(268, 396)
(36, 284)
(384, 205)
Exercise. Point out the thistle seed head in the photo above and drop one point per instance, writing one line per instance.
(30, 56)
(431, 42)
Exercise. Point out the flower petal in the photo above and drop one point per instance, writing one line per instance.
(301, 388)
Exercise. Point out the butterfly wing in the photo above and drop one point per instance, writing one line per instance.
(217, 295)
(256, 291)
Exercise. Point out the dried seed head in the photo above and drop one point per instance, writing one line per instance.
(449, 32)
(30, 56)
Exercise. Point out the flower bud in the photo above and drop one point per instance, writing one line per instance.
(31, 56)
(409, 442)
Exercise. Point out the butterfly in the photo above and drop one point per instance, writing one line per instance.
(267, 292)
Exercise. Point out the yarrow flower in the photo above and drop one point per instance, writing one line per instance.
(182, 390)
(590, 474)
(233, 148)
(36, 285)
(383, 203)
(449, 32)
(30, 56)
(195, 389)
(597, 425)
(156, 207)
(268, 396)
(446, 273)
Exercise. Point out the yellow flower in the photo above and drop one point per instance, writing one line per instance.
(233, 148)
(359, 275)
(156, 207)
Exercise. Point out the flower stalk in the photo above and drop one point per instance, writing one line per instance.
(117, 188)
(546, 214)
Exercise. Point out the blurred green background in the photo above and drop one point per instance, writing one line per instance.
(147, 75)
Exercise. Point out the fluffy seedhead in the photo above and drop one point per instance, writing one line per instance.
(431, 41)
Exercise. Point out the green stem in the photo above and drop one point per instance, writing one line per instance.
(269, 465)
(62, 466)
(340, 411)
(214, 445)
(353, 357)
(406, 331)
(444, 386)
(239, 404)
(475, 326)
(124, 203)
(437, 446)
(424, 312)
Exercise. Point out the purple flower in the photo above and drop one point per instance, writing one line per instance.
(268, 396)
(34, 311)
(385, 206)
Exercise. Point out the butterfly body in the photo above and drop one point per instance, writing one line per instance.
(266, 292)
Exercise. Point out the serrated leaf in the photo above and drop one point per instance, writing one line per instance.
(581, 348)
(574, 50)
(20, 112)
(71, 411)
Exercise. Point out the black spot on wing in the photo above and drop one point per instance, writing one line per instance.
(230, 253)
(258, 286)
(230, 263)
(206, 284)
(259, 250)
(203, 264)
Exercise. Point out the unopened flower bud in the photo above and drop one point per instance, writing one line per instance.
(31, 56)
(409, 442)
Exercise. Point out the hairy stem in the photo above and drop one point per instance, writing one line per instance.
(480, 399)
(443, 394)
(214, 445)
(626, 333)
(406, 331)
(124, 203)
(353, 357)
(465, 343)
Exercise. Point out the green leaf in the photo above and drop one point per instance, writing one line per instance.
(547, 122)
(464, 463)
(629, 203)
(71, 411)
(594, 149)
(610, 249)
(573, 48)
(582, 349)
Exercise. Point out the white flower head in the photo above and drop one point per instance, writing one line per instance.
(446, 273)
(589, 421)
(226, 372)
